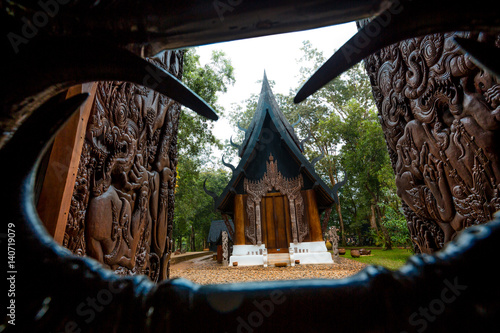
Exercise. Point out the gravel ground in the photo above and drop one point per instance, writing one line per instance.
(205, 270)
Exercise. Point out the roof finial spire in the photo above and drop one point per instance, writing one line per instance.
(265, 83)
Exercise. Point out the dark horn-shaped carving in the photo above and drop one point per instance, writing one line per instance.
(317, 159)
(297, 122)
(336, 187)
(241, 128)
(210, 193)
(482, 54)
(234, 144)
(61, 63)
(404, 19)
(229, 165)
(303, 141)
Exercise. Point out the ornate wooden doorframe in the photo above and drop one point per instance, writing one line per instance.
(276, 228)
(273, 179)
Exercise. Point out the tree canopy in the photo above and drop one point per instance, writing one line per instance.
(194, 209)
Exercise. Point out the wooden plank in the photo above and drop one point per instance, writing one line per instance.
(279, 214)
(239, 219)
(269, 216)
(306, 217)
(246, 218)
(57, 190)
(286, 208)
(313, 216)
(264, 222)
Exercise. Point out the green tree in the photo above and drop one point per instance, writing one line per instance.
(195, 137)
(193, 208)
(343, 123)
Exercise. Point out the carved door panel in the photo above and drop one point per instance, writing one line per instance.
(276, 223)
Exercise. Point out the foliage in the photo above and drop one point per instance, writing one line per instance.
(195, 137)
(194, 209)
(395, 222)
(343, 123)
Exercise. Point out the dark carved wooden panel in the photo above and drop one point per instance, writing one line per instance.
(441, 118)
(122, 207)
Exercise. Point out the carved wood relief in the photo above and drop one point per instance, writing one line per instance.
(256, 190)
(441, 118)
(122, 207)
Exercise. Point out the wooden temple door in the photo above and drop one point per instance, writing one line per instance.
(276, 230)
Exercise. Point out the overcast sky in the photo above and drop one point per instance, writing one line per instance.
(277, 55)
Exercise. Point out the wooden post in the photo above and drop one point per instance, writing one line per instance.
(57, 190)
(313, 213)
(239, 220)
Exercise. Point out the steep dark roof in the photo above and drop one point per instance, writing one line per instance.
(255, 149)
(216, 228)
(267, 101)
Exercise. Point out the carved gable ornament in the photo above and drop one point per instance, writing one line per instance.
(290, 187)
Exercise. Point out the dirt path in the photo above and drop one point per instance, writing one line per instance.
(205, 270)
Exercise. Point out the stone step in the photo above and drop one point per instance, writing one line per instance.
(276, 255)
(278, 258)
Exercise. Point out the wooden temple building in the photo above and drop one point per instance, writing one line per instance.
(275, 197)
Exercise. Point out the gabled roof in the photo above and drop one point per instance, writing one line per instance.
(268, 115)
(216, 228)
(267, 101)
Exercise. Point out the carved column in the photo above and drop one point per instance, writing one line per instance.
(441, 118)
(293, 221)
(225, 248)
(122, 207)
(334, 238)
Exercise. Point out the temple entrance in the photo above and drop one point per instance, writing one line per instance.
(276, 230)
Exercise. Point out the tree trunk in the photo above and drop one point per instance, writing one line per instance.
(192, 239)
(341, 222)
(339, 209)
(387, 237)
(375, 222)
(373, 219)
